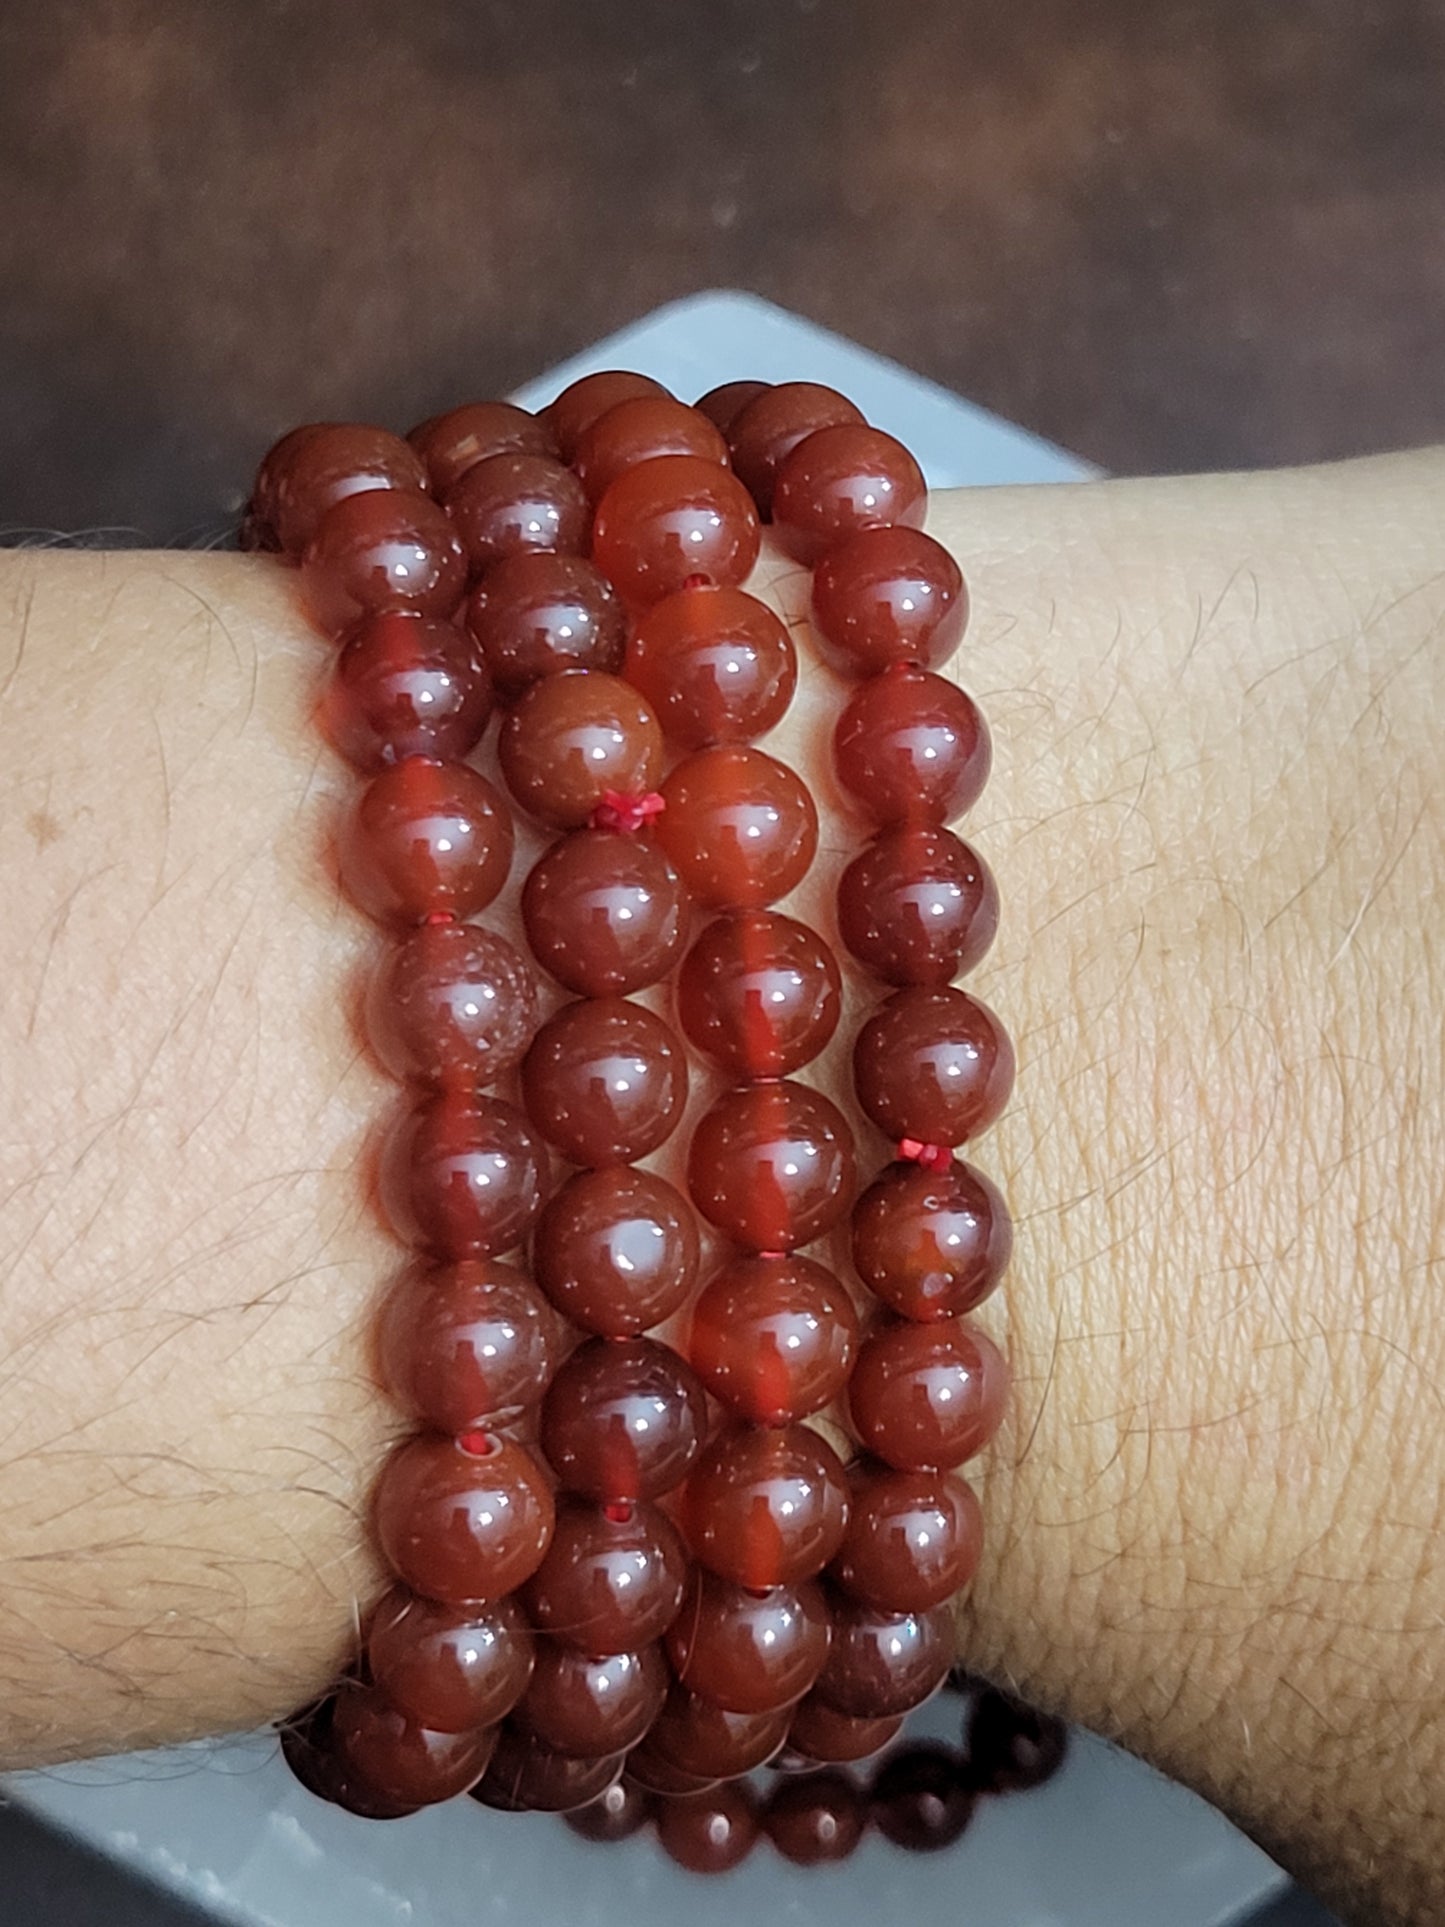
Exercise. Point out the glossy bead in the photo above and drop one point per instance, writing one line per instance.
(309, 1748)
(887, 597)
(840, 481)
(515, 504)
(639, 430)
(466, 1345)
(931, 1244)
(604, 912)
(592, 1706)
(527, 1777)
(451, 1003)
(710, 1832)
(1012, 1746)
(917, 906)
(765, 1506)
(405, 685)
(911, 747)
(913, 1538)
(572, 739)
(671, 518)
(399, 1759)
(723, 404)
(772, 1166)
(624, 1420)
(382, 549)
(609, 1584)
(605, 1081)
(716, 664)
(616, 1250)
(766, 430)
(882, 1663)
(624, 1809)
(933, 1064)
(739, 826)
(658, 1777)
(579, 405)
(446, 1667)
(462, 1527)
(535, 615)
(462, 1176)
(823, 1733)
(815, 1820)
(320, 464)
(925, 1396)
(920, 1799)
(425, 835)
(258, 524)
(773, 1338)
(697, 1737)
(749, 1652)
(452, 443)
(759, 993)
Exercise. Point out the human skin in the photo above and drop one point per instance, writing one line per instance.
(1217, 819)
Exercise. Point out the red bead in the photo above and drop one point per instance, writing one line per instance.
(1011, 1746)
(450, 1668)
(654, 1774)
(931, 1243)
(308, 1746)
(766, 430)
(816, 1820)
(888, 597)
(910, 747)
(383, 549)
(258, 525)
(592, 1707)
(514, 504)
(527, 1777)
(466, 1345)
(933, 1064)
(881, 1663)
(573, 739)
(771, 1165)
(925, 1396)
(840, 481)
(579, 405)
(405, 685)
(452, 443)
(604, 913)
(913, 1538)
(605, 1081)
(739, 826)
(766, 1507)
(710, 1832)
(716, 664)
(821, 1732)
(624, 1420)
(461, 1527)
(616, 1251)
(749, 1652)
(320, 464)
(451, 1003)
(608, 1585)
(399, 1759)
(722, 405)
(535, 615)
(773, 1338)
(671, 518)
(425, 835)
(697, 1737)
(759, 993)
(917, 906)
(624, 1809)
(921, 1798)
(639, 430)
(462, 1176)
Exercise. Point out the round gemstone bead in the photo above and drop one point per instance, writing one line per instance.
(931, 1244)
(917, 906)
(759, 994)
(624, 1809)
(710, 1832)
(766, 430)
(639, 430)
(765, 1507)
(913, 1538)
(1011, 1746)
(537, 614)
(604, 912)
(723, 404)
(672, 518)
(887, 597)
(405, 685)
(259, 521)
(451, 1003)
(449, 1668)
(452, 443)
(578, 406)
(716, 664)
(624, 1420)
(773, 1338)
(514, 504)
(308, 1746)
(816, 1820)
(921, 1799)
(318, 465)
(821, 1732)
(648, 1768)
(697, 1737)
(466, 1344)
(608, 1584)
(739, 826)
(382, 549)
(749, 1652)
(573, 739)
(840, 481)
(616, 1250)
(934, 1065)
(605, 1081)
(772, 1166)
(425, 835)
(400, 1760)
(924, 1396)
(882, 1663)
(589, 1706)
(527, 1777)
(911, 747)
(462, 1527)
(462, 1176)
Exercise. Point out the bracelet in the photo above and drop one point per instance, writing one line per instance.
(610, 1554)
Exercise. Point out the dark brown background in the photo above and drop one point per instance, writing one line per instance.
(1165, 235)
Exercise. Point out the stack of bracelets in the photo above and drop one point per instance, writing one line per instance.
(626, 1573)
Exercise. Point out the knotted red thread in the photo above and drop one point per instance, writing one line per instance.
(933, 1157)
(626, 813)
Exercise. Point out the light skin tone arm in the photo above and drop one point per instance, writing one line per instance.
(1218, 822)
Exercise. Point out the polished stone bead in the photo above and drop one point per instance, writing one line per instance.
(424, 836)
(765, 1506)
(640, 429)
(605, 912)
(840, 481)
(700, 1738)
(592, 1706)
(659, 1778)
(447, 1667)
(573, 739)
(773, 1337)
(537, 614)
(466, 1345)
(257, 533)
(452, 443)
(462, 1176)
(612, 1579)
(772, 1166)
(605, 1081)
(740, 827)
(917, 906)
(320, 464)
(931, 1244)
(759, 993)
(934, 1065)
(399, 1759)
(460, 1526)
(451, 1003)
(1012, 1746)
(887, 597)
(671, 518)
(616, 1250)
(405, 685)
(816, 1820)
(308, 1746)
(821, 1732)
(624, 1420)
(911, 747)
(579, 405)
(925, 1396)
(749, 1652)
(515, 504)
(525, 1776)
(382, 549)
(723, 404)
(913, 1538)
(881, 1663)
(624, 1809)
(921, 1798)
(712, 1832)
(716, 664)
(766, 430)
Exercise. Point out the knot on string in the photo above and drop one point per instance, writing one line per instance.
(626, 813)
(933, 1157)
